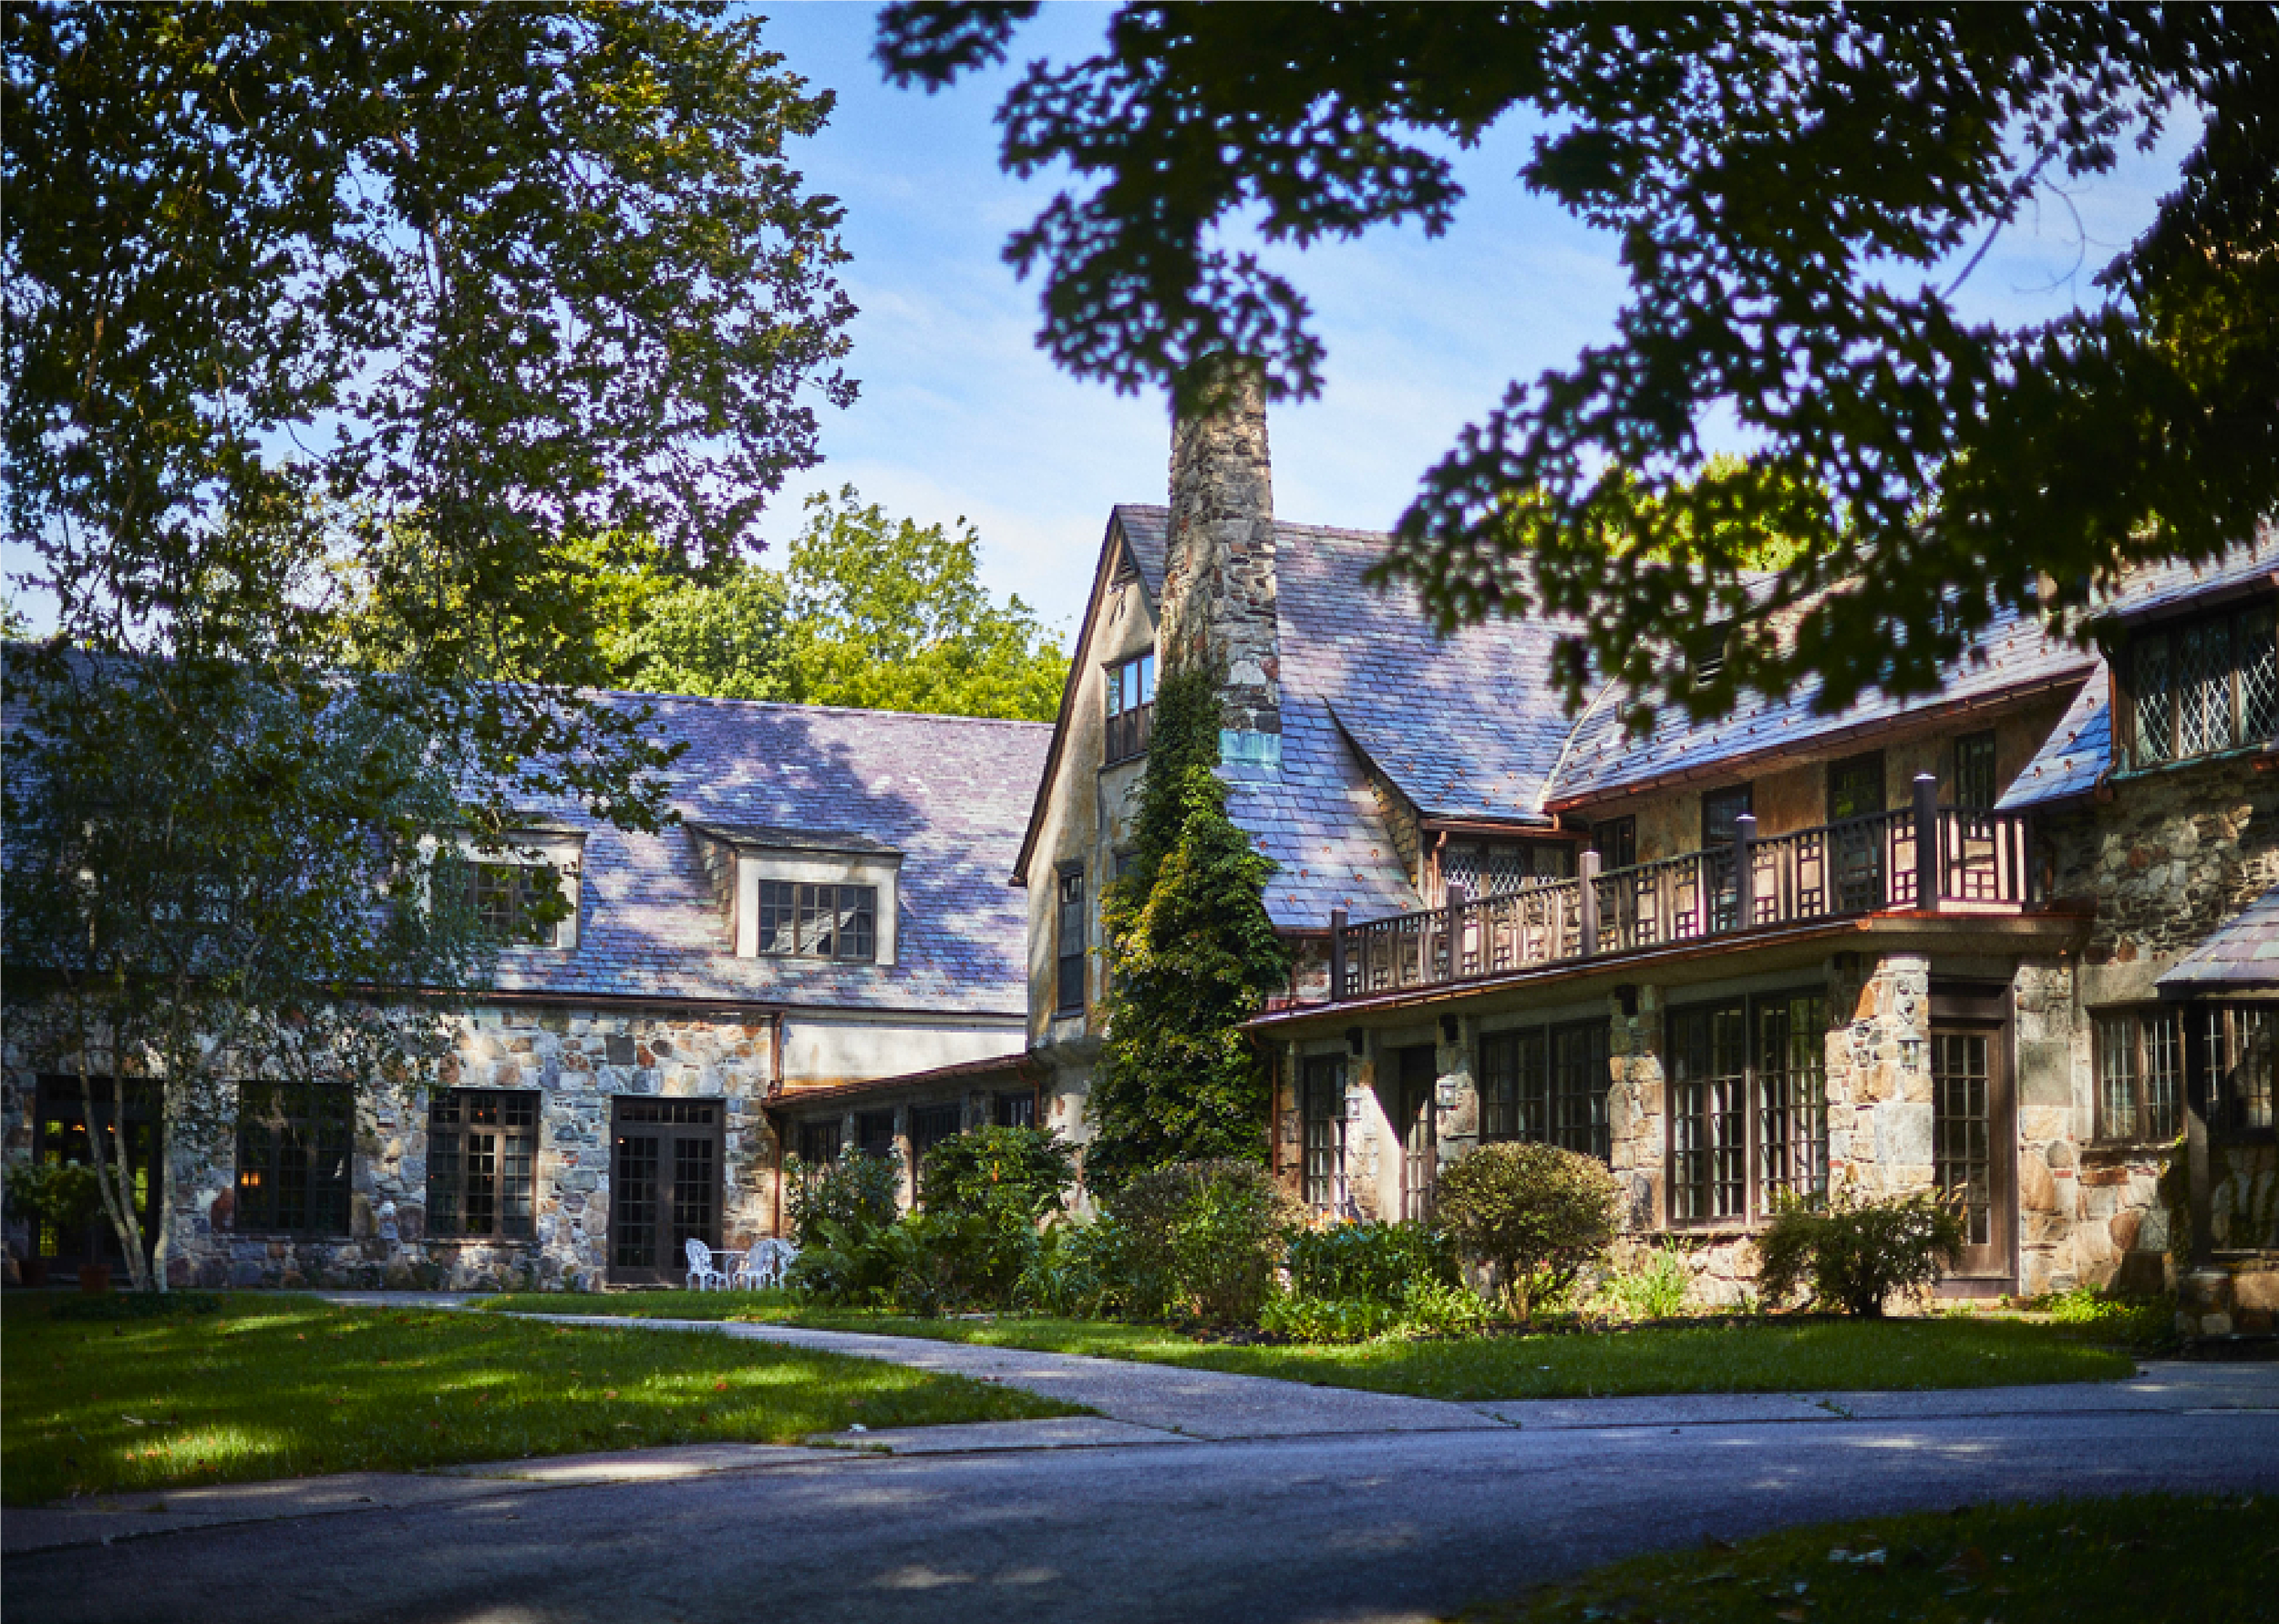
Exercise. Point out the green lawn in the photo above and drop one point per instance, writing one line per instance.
(2134, 1560)
(279, 1387)
(1817, 1355)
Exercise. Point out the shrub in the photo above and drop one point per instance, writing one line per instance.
(1075, 1271)
(1656, 1289)
(1853, 1253)
(1369, 1262)
(843, 1265)
(854, 1194)
(65, 1195)
(1010, 1175)
(946, 1262)
(1424, 1307)
(1535, 1215)
(1202, 1238)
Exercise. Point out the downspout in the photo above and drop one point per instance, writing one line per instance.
(775, 1092)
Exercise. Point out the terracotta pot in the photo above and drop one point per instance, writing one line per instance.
(95, 1278)
(35, 1272)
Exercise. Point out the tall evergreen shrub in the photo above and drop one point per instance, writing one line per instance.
(1192, 956)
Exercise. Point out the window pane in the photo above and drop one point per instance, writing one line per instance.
(1499, 1086)
(2148, 667)
(1708, 1149)
(2163, 1095)
(1975, 786)
(2258, 655)
(1791, 1097)
(2117, 1076)
(1324, 1111)
(1579, 1081)
(1963, 1127)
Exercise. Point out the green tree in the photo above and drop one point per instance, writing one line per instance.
(1790, 188)
(890, 615)
(319, 280)
(724, 639)
(197, 899)
(1193, 955)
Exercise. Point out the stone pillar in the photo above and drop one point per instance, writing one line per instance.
(1219, 595)
(1635, 1103)
(1879, 1074)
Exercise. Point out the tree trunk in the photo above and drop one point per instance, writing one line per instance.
(114, 1176)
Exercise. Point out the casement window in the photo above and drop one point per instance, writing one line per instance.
(2140, 1075)
(482, 1151)
(1070, 938)
(1130, 704)
(1749, 1106)
(1497, 868)
(294, 1143)
(1617, 843)
(817, 1144)
(1547, 1085)
(1014, 1110)
(874, 1134)
(522, 904)
(1977, 788)
(1322, 1112)
(799, 921)
(2199, 687)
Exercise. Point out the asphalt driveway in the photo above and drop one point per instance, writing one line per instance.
(1142, 1523)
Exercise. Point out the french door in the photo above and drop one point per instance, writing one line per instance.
(1419, 1138)
(666, 1178)
(1975, 1142)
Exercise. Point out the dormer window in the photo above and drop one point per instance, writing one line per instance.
(523, 887)
(1131, 705)
(2199, 687)
(518, 903)
(803, 894)
(818, 922)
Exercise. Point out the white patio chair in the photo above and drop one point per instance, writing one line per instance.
(703, 1276)
(764, 1264)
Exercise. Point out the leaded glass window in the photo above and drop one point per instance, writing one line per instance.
(2202, 688)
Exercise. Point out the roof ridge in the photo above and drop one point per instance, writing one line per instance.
(803, 705)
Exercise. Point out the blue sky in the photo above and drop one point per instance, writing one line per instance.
(961, 414)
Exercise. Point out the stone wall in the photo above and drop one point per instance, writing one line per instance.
(2170, 857)
(576, 1058)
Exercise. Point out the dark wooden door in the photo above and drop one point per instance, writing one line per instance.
(1420, 1143)
(665, 1180)
(1973, 1142)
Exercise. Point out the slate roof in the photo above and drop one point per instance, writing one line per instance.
(2011, 655)
(2242, 956)
(1467, 727)
(946, 792)
(2075, 755)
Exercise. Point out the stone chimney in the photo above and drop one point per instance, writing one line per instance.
(1219, 609)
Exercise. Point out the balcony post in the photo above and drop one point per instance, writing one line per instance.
(1337, 954)
(1586, 904)
(1926, 843)
(1744, 871)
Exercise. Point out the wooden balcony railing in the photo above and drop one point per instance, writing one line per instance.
(1962, 860)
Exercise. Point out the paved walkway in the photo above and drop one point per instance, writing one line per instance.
(1133, 1404)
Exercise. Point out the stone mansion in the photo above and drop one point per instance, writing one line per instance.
(2018, 941)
